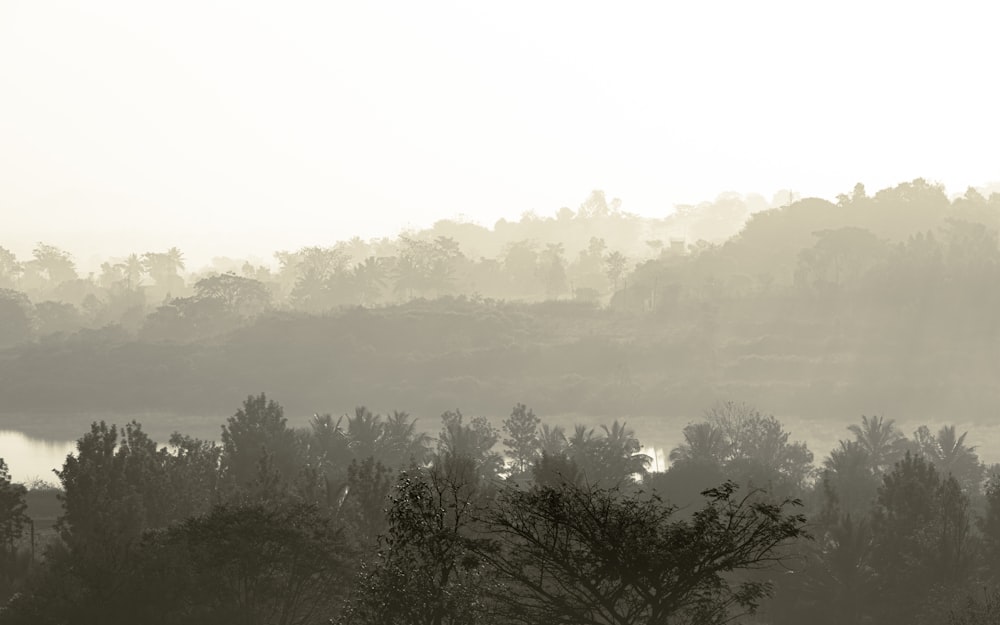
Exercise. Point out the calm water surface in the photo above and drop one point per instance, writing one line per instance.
(30, 458)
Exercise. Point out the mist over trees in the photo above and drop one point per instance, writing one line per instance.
(813, 308)
(582, 254)
(548, 349)
(363, 519)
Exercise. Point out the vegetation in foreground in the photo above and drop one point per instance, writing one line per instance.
(364, 520)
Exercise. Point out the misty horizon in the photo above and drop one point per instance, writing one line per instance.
(208, 250)
(453, 313)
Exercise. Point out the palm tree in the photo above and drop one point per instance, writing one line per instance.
(370, 278)
(848, 479)
(620, 451)
(176, 259)
(843, 582)
(133, 267)
(616, 264)
(849, 458)
(880, 439)
(401, 440)
(328, 451)
(365, 432)
(950, 454)
(329, 438)
(582, 441)
(552, 440)
(703, 442)
(474, 441)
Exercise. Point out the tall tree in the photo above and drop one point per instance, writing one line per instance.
(880, 439)
(16, 317)
(989, 529)
(594, 556)
(370, 277)
(758, 449)
(10, 269)
(240, 297)
(553, 268)
(552, 440)
(164, 268)
(523, 444)
(55, 264)
(132, 269)
(426, 571)
(615, 263)
(950, 455)
(620, 455)
(259, 450)
(848, 481)
(115, 487)
(244, 564)
(403, 443)
(474, 441)
(13, 507)
(921, 537)
(703, 442)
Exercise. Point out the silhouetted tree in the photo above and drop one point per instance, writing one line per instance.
(364, 501)
(921, 537)
(880, 440)
(193, 470)
(553, 268)
(552, 440)
(426, 571)
(315, 273)
(523, 444)
(989, 528)
(164, 268)
(474, 440)
(370, 277)
(246, 564)
(114, 488)
(13, 517)
(259, 450)
(950, 455)
(10, 269)
(402, 442)
(129, 270)
(241, 297)
(15, 317)
(616, 263)
(703, 442)
(620, 458)
(54, 264)
(581, 555)
(757, 448)
(848, 481)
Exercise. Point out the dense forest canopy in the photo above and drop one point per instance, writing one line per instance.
(869, 325)
(876, 302)
(363, 519)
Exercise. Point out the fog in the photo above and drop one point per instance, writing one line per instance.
(239, 132)
(462, 315)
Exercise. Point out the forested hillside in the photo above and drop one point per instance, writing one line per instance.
(830, 315)
(814, 309)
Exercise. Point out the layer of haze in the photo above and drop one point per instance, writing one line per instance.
(243, 127)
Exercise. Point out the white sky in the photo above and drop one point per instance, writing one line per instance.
(244, 127)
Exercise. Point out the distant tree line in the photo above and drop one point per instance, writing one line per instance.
(815, 308)
(584, 255)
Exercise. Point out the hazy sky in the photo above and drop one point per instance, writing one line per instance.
(251, 126)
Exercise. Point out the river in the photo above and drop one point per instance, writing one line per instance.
(29, 459)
